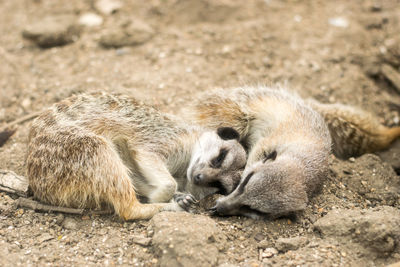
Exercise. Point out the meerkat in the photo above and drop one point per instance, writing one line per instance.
(102, 150)
(288, 141)
(288, 147)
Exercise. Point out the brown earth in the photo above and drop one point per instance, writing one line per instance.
(166, 51)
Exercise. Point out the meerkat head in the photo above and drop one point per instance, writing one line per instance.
(217, 160)
(272, 184)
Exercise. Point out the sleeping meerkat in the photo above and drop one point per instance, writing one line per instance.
(288, 142)
(288, 145)
(96, 150)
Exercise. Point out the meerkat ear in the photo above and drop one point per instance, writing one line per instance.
(227, 133)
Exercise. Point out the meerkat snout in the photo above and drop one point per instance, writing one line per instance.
(269, 188)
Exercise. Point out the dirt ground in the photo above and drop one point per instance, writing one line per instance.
(166, 51)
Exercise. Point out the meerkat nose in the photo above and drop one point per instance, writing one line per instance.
(198, 178)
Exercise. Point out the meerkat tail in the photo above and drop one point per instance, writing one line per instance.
(390, 135)
(354, 131)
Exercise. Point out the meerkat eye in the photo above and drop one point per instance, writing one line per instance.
(270, 156)
(217, 161)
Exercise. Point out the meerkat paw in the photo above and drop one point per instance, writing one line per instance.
(185, 201)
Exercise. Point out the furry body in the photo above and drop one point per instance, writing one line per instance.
(93, 150)
(288, 143)
(354, 131)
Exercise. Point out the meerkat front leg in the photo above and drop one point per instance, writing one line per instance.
(159, 185)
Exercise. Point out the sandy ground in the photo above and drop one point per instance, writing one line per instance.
(165, 52)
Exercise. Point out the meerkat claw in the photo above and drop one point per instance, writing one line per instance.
(185, 201)
(213, 210)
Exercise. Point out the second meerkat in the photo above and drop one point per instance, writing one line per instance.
(92, 150)
(288, 142)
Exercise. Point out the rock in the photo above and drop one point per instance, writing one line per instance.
(392, 56)
(392, 156)
(90, 20)
(286, 244)
(371, 65)
(377, 182)
(108, 7)
(44, 237)
(144, 241)
(53, 31)
(339, 22)
(130, 34)
(70, 224)
(375, 229)
(183, 239)
(263, 244)
(59, 219)
(195, 11)
(392, 75)
(269, 252)
(373, 22)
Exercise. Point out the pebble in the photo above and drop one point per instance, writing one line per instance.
(44, 237)
(339, 22)
(52, 31)
(144, 241)
(59, 218)
(263, 244)
(134, 33)
(108, 7)
(90, 20)
(70, 223)
(286, 244)
(269, 252)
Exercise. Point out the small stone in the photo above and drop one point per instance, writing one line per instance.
(59, 218)
(339, 22)
(90, 20)
(52, 31)
(259, 237)
(269, 252)
(143, 241)
(70, 223)
(26, 103)
(263, 244)
(134, 33)
(352, 159)
(108, 7)
(285, 244)
(44, 237)
(375, 7)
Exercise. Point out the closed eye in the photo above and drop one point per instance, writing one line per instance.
(270, 156)
(217, 161)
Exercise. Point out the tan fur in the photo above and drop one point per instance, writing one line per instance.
(355, 132)
(288, 145)
(96, 150)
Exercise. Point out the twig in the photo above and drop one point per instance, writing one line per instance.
(37, 206)
(8, 130)
(392, 75)
(21, 120)
(10, 182)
